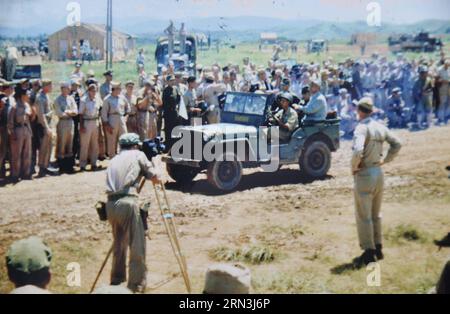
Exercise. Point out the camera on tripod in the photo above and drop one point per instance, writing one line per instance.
(153, 148)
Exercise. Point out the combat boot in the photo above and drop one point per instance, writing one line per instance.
(379, 252)
(445, 242)
(368, 257)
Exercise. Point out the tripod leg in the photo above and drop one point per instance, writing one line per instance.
(101, 268)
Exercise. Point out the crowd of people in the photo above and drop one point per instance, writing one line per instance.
(93, 114)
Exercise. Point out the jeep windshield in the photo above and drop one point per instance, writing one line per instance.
(249, 104)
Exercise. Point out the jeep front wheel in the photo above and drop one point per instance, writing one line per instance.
(181, 174)
(225, 175)
(315, 161)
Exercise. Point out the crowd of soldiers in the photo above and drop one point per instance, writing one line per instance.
(93, 114)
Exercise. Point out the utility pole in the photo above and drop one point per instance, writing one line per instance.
(109, 41)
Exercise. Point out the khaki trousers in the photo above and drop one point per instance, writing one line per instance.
(89, 143)
(369, 184)
(444, 105)
(213, 117)
(45, 151)
(64, 138)
(3, 146)
(21, 152)
(112, 139)
(128, 231)
(101, 141)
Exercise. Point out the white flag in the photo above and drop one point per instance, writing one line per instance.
(182, 111)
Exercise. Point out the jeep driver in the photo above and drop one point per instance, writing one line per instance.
(286, 119)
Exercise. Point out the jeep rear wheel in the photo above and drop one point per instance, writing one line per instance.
(225, 175)
(315, 161)
(181, 174)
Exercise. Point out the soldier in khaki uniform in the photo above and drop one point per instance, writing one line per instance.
(132, 124)
(19, 129)
(7, 101)
(28, 263)
(287, 118)
(89, 121)
(114, 111)
(123, 176)
(369, 180)
(44, 118)
(104, 90)
(65, 110)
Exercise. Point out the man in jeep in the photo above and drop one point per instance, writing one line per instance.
(286, 119)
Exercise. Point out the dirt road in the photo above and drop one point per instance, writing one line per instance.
(309, 227)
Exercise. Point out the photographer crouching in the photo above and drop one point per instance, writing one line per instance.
(124, 175)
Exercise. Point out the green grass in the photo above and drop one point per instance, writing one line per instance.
(252, 255)
(406, 233)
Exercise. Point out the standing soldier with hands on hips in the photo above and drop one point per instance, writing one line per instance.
(367, 161)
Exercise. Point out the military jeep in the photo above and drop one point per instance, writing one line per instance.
(242, 116)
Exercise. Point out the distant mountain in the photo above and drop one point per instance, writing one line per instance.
(244, 28)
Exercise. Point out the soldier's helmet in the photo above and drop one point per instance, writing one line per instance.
(129, 139)
(288, 97)
(29, 255)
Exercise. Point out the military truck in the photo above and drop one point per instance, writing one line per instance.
(316, 46)
(421, 42)
(310, 146)
(186, 62)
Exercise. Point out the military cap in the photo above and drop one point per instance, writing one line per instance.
(170, 78)
(366, 103)
(29, 255)
(199, 67)
(116, 84)
(91, 81)
(286, 82)
(35, 81)
(178, 74)
(343, 91)
(129, 82)
(227, 279)
(129, 139)
(46, 82)
(77, 64)
(92, 86)
(75, 81)
(64, 84)
(316, 82)
(306, 90)
(209, 78)
(149, 82)
(90, 73)
(109, 72)
(191, 79)
(287, 96)
(396, 90)
(423, 69)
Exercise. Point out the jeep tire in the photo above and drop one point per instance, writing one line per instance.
(225, 175)
(315, 161)
(181, 174)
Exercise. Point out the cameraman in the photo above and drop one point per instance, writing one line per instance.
(123, 177)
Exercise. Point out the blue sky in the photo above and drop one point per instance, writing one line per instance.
(27, 12)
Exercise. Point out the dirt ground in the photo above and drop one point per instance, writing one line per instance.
(308, 226)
